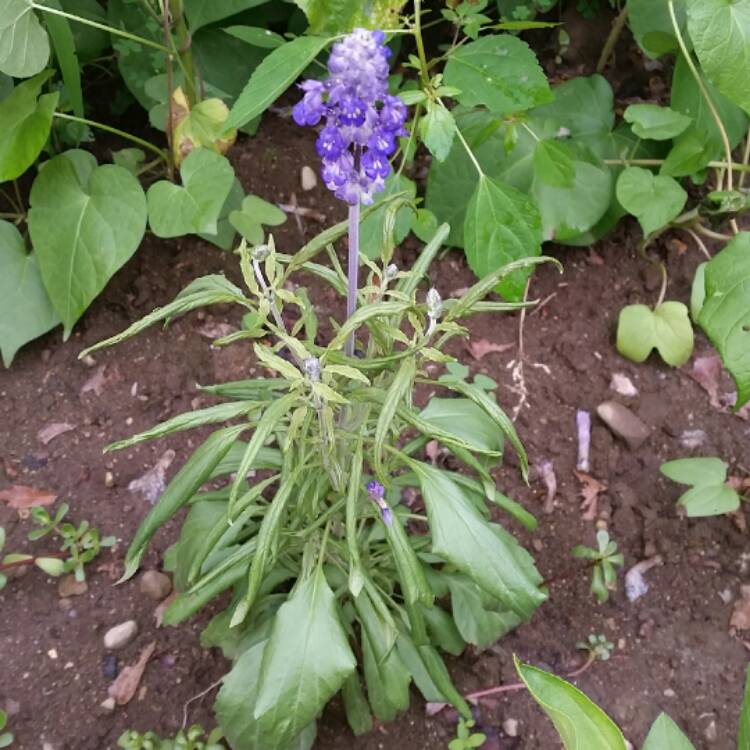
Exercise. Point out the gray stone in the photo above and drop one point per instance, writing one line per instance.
(120, 635)
(623, 423)
(67, 586)
(155, 585)
(510, 727)
(308, 178)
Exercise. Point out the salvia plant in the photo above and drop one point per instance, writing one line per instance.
(604, 561)
(337, 584)
(193, 738)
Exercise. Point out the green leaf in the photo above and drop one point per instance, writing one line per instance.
(399, 389)
(709, 496)
(273, 76)
(201, 13)
(743, 737)
(666, 328)
(652, 26)
(653, 199)
(193, 208)
(702, 141)
(257, 36)
(85, 222)
(725, 316)
(67, 57)
(581, 724)
(437, 129)
(666, 735)
(202, 516)
(24, 45)
(379, 227)
(502, 225)
(90, 42)
(358, 714)
(650, 121)
(25, 122)
(464, 419)
(698, 292)
(485, 553)
(337, 16)
(499, 72)
(255, 212)
(201, 126)
(25, 309)
(720, 32)
(183, 486)
(698, 472)
(553, 164)
(306, 661)
(225, 232)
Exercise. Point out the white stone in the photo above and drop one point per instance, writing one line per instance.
(120, 635)
(510, 727)
(307, 177)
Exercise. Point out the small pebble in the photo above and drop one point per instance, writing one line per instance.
(510, 727)
(308, 179)
(669, 693)
(12, 707)
(109, 479)
(155, 585)
(89, 361)
(67, 586)
(52, 653)
(108, 705)
(711, 733)
(623, 423)
(623, 385)
(109, 666)
(120, 635)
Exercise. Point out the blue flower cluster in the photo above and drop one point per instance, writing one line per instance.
(362, 121)
(376, 491)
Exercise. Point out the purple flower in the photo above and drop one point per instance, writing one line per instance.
(362, 120)
(376, 491)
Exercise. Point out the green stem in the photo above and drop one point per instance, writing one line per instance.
(530, 131)
(183, 52)
(466, 146)
(658, 162)
(614, 35)
(101, 27)
(115, 131)
(704, 92)
(424, 71)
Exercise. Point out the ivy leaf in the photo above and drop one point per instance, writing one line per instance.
(25, 309)
(225, 232)
(709, 494)
(720, 32)
(85, 222)
(581, 724)
(652, 122)
(553, 164)
(193, 208)
(201, 126)
(274, 76)
(499, 72)
(24, 44)
(25, 122)
(254, 213)
(502, 225)
(653, 199)
(666, 328)
(438, 129)
(725, 315)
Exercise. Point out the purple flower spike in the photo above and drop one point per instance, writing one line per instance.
(362, 121)
(376, 491)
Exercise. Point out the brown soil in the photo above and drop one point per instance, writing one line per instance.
(674, 649)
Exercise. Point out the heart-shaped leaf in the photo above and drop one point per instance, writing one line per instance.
(709, 495)
(653, 199)
(650, 121)
(554, 164)
(254, 213)
(201, 126)
(499, 72)
(25, 309)
(25, 122)
(666, 328)
(24, 44)
(502, 225)
(725, 315)
(193, 208)
(85, 222)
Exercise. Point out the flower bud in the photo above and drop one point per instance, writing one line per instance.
(312, 368)
(391, 271)
(434, 303)
(260, 252)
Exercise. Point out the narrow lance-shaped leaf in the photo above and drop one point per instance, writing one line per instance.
(581, 724)
(67, 57)
(183, 486)
(413, 582)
